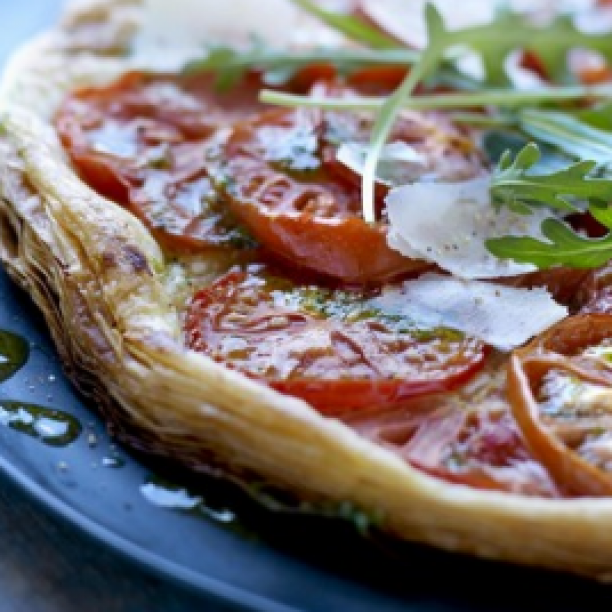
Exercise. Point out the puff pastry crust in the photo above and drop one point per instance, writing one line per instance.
(98, 277)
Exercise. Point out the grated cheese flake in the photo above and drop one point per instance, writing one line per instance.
(449, 223)
(503, 317)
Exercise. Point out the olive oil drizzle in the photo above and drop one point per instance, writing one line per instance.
(52, 427)
(14, 353)
(191, 500)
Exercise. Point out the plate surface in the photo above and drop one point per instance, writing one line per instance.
(212, 537)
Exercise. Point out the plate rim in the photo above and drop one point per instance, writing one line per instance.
(156, 564)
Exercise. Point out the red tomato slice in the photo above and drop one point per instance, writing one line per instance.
(144, 142)
(480, 447)
(560, 391)
(566, 285)
(287, 187)
(595, 294)
(330, 348)
(582, 66)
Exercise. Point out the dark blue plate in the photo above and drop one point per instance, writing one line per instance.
(209, 535)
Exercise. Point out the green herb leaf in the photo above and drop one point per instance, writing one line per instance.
(568, 133)
(503, 98)
(554, 41)
(430, 59)
(550, 42)
(230, 65)
(598, 116)
(352, 27)
(496, 143)
(515, 185)
(493, 43)
(565, 247)
(602, 213)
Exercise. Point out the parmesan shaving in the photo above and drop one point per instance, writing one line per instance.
(503, 317)
(399, 163)
(449, 223)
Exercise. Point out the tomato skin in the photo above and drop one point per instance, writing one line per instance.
(336, 397)
(313, 222)
(334, 364)
(144, 142)
(564, 284)
(586, 74)
(348, 249)
(595, 295)
(285, 184)
(156, 145)
(559, 436)
(530, 61)
(100, 174)
(376, 80)
(480, 447)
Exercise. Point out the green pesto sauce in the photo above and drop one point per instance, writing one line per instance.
(14, 352)
(52, 427)
(351, 307)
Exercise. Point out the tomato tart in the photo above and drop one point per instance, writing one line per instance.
(329, 255)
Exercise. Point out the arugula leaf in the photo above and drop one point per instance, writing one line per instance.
(569, 134)
(603, 214)
(598, 116)
(503, 98)
(430, 59)
(496, 142)
(516, 186)
(565, 247)
(352, 27)
(230, 64)
(550, 42)
(493, 42)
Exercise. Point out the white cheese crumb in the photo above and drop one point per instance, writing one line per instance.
(503, 317)
(398, 163)
(449, 223)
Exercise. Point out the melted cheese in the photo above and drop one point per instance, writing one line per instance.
(503, 317)
(448, 224)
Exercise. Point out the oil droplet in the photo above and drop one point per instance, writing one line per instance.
(14, 352)
(113, 462)
(175, 497)
(50, 426)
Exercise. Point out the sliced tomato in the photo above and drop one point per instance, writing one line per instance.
(588, 69)
(376, 80)
(330, 348)
(532, 62)
(286, 185)
(560, 389)
(478, 446)
(595, 294)
(564, 284)
(145, 142)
